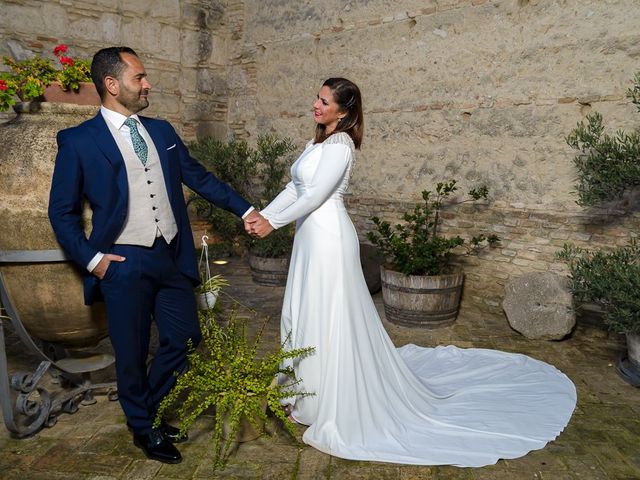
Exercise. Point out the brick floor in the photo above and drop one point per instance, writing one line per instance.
(602, 440)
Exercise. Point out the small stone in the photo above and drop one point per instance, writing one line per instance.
(539, 306)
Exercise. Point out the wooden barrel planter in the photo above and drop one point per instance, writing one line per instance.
(421, 301)
(269, 271)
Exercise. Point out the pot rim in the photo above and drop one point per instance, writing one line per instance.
(457, 271)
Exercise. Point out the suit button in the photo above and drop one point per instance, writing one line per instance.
(152, 195)
(149, 182)
(154, 208)
(157, 220)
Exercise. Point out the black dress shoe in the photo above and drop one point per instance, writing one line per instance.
(157, 447)
(173, 434)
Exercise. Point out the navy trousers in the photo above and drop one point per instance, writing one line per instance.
(148, 287)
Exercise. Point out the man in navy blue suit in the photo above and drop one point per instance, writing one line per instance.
(140, 257)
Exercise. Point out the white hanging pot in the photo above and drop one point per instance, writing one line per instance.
(207, 300)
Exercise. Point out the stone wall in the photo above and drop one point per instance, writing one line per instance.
(477, 90)
(182, 43)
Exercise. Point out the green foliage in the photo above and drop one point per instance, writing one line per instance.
(8, 91)
(607, 165)
(70, 77)
(258, 175)
(278, 244)
(226, 372)
(28, 78)
(232, 163)
(272, 158)
(609, 279)
(415, 247)
(213, 284)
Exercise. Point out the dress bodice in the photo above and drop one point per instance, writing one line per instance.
(320, 176)
(306, 166)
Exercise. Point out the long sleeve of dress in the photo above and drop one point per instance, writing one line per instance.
(285, 198)
(334, 161)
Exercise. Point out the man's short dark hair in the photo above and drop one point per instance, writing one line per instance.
(107, 62)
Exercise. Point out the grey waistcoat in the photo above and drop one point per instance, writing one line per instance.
(149, 215)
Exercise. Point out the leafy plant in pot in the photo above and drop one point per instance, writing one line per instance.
(611, 281)
(37, 78)
(269, 257)
(228, 373)
(233, 163)
(608, 168)
(420, 286)
(209, 290)
(258, 175)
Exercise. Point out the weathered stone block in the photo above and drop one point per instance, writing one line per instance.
(539, 306)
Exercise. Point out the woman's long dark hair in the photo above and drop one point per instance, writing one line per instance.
(347, 95)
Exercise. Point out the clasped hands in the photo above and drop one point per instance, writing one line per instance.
(256, 225)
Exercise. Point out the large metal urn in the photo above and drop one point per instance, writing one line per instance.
(47, 295)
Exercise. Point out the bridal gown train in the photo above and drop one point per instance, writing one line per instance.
(413, 405)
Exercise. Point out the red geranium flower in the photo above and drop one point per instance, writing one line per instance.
(62, 48)
(66, 61)
(3, 85)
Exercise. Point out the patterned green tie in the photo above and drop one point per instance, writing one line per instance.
(139, 145)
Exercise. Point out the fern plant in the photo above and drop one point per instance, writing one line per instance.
(416, 247)
(227, 372)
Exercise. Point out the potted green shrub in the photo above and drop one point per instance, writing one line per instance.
(611, 281)
(269, 257)
(228, 373)
(37, 78)
(608, 167)
(232, 162)
(420, 286)
(258, 175)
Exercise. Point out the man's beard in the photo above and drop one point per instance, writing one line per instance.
(134, 104)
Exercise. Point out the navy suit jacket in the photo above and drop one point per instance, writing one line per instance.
(89, 166)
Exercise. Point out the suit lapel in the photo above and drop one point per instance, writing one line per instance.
(108, 146)
(161, 147)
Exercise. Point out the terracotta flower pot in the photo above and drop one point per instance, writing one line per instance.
(87, 95)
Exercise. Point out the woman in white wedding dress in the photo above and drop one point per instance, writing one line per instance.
(413, 405)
